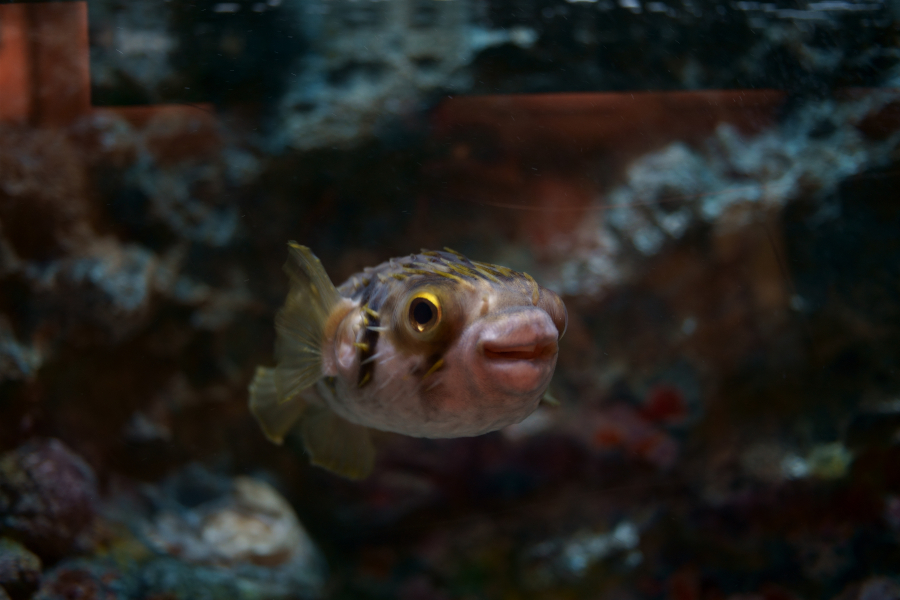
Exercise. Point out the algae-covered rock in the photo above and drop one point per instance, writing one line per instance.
(250, 523)
(81, 579)
(47, 496)
(168, 577)
(205, 537)
(20, 570)
(873, 588)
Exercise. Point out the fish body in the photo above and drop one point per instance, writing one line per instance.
(428, 345)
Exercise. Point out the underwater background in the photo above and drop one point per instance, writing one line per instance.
(711, 185)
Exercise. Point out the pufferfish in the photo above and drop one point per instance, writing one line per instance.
(430, 345)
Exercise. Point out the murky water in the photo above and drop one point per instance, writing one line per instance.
(711, 188)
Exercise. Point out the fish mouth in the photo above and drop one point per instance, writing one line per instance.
(514, 354)
(538, 350)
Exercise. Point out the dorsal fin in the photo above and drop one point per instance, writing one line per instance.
(300, 324)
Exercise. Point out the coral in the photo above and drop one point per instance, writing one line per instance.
(573, 556)
(140, 33)
(339, 72)
(729, 184)
(622, 427)
(351, 84)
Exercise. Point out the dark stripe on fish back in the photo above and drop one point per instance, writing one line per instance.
(370, 343)
(374, 284)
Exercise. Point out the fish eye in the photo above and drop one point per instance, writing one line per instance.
(424, 312)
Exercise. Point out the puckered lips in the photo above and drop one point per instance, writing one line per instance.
(519, 349)
(534, 351)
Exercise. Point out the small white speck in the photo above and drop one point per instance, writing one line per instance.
(794, 467)
(226, 7)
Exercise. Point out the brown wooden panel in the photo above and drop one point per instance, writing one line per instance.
(59, 37)
(15, 64)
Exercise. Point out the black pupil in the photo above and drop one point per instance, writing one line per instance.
(422, 313)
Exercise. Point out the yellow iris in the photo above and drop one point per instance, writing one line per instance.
(424, 312)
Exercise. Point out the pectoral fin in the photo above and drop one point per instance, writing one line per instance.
(338, 445)
(276, 418)
(300, 324)
(550, 400)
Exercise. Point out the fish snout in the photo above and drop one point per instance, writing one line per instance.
(533, 347)
(516, 350)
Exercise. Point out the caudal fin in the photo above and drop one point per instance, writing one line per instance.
(276, 418)
(300, 323)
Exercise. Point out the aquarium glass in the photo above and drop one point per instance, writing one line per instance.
(637, 338)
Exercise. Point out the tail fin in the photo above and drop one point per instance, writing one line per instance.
(300, 323)
(275, 417)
